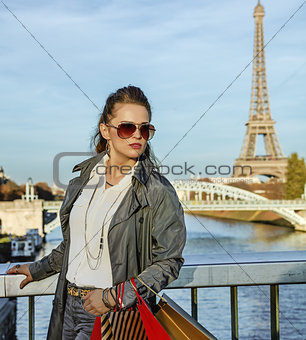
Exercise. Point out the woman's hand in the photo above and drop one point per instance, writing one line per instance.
(21, 269)
(94, 304)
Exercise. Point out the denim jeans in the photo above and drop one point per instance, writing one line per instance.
(78, 323)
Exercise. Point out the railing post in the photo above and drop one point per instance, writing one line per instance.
(234, 312)
(274, 311)
(31, 318)
(194, 303)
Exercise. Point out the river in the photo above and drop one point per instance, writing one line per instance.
(208, 235)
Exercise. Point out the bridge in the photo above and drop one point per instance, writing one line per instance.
(52, 206)
(212, 196)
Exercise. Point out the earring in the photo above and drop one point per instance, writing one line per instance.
(107, 149)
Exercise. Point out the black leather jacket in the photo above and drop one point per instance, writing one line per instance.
(146, 238)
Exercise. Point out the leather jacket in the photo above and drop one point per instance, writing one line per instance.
(146, 237)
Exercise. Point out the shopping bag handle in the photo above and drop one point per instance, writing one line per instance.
(134, 286)
(135, 289)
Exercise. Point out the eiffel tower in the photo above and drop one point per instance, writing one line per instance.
(260, 124)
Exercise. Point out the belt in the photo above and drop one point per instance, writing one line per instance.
(74, 291)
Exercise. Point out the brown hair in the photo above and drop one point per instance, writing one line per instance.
(125, 95)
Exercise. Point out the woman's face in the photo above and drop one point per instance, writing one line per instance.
(132, 147)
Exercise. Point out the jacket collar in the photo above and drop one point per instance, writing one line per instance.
(88, 163)
(142, 171)
(137, 199)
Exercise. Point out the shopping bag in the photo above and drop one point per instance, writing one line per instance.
(179, 324)
(153, 328)
(120, 324)
(96, 332)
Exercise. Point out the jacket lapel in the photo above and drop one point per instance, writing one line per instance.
(76, 184)
(135, 197)
(128, 206)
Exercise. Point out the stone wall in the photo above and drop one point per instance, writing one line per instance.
(18, 216)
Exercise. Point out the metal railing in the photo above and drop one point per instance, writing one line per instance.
(201, 271)
(52, 206)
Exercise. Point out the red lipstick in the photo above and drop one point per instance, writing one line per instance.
(135, 145)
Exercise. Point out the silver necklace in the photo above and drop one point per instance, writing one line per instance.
(90, 257)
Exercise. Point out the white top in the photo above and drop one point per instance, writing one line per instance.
(103, 206)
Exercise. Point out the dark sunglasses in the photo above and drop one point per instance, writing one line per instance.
(126, 130)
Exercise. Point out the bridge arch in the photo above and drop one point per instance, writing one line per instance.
(220, 192)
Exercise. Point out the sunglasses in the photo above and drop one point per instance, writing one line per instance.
(126, 130)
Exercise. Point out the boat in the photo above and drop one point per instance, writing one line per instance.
(23, 248)
(37, 238)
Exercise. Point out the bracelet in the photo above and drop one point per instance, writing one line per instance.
(105, 300)
(112, 308)
(114, 298)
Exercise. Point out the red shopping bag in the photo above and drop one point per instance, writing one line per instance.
(96, 332)
(150, 326)
(153, 328)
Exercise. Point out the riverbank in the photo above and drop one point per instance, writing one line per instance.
(258, 216)
(5, 248)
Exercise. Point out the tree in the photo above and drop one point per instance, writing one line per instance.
(295, 177)
(44, 191)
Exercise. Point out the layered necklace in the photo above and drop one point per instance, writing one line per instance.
(94, 261)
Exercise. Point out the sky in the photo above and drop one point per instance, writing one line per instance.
(182, 53)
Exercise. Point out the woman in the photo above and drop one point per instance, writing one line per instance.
(120, 219)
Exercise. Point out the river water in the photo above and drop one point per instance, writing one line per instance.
(215, 236)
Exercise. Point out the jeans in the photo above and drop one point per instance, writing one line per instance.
(78, 323)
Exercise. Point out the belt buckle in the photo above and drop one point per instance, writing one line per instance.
(76, 291)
